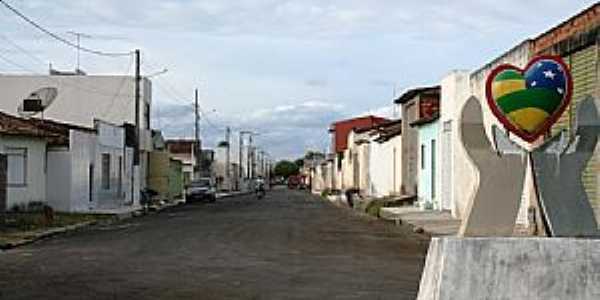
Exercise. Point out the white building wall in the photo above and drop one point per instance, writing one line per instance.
(457, 173)
(35, 188)
(70, 169)
(383, 182)
(81, 99)
(82, 150)
(59, 180)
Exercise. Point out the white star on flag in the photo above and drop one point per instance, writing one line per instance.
(549, 74)
(559, 90)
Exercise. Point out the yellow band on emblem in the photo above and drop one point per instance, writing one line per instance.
(529, 119)
(501, 88)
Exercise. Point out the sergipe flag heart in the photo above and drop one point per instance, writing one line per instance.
(529, 102)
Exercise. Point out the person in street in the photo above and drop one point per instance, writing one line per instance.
(259, 187)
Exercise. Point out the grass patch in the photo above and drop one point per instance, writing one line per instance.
(30, 221)
(374, 206)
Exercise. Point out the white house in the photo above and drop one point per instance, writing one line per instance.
(356, 167)
(385, 160)
(24, 145)
(222, 167)
(428, 191)
(91, 171)
(82, 99)
(456, 171)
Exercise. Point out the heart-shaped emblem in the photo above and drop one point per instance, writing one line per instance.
(529, 101)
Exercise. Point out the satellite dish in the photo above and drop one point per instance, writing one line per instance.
(37, 101)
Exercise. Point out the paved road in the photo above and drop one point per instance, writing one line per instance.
(288, 245)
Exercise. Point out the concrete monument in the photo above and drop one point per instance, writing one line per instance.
(483, 262)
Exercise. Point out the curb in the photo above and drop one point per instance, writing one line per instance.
(45, 234)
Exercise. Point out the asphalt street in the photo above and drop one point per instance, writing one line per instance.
(289, 245)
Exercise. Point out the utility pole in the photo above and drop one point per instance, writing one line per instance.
(136, 150)
(250, 151)
(197, 133)
(138, 78)
(227, 163)
(241, 147)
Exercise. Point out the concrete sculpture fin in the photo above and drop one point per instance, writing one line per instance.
(558, 167)
(493, 209)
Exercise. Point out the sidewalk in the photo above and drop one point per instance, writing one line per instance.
(431, 222)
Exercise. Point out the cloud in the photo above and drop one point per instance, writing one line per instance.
(252, 58)
(284, 130)
(316, 83)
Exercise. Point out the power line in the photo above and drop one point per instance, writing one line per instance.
(16, 64)
(61, 39)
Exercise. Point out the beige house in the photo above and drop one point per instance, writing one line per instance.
(356, 167)
(414, 104)
(385, 160)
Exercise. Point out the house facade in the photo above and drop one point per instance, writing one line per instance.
(355, 168)
(385, 160)
(428, 192)
(68, 167)
(415, 104)
(82, 99)
(339, 144)
(24, 146)
(184, 151)
(91, 172)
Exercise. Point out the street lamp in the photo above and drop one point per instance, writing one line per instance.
(163, 71)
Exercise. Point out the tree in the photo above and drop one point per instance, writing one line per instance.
(299, 162)
(286, 168)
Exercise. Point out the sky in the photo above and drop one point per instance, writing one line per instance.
(283, 69)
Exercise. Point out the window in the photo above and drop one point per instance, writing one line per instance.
(106, 171)
(433, 169)
(147, 115)
(448, 126)
(16, 159)
(423, 157)
(120, 178)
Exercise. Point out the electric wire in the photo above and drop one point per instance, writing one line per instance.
(61, 39)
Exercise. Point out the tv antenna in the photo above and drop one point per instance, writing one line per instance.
(79, 35)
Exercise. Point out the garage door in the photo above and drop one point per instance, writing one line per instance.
(584, 68)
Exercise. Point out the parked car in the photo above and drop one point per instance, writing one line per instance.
(201, 189)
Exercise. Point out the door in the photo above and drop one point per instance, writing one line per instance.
(120, 179)
(434, 197)
(91, 182)
(356, 171)
(3, 171)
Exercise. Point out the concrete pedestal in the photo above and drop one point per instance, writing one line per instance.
(511, 268)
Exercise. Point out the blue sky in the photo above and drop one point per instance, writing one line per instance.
(283, 68)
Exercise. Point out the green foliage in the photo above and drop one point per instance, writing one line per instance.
(299, 162)
(374, 206)
(286, 168)
(314, 155)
